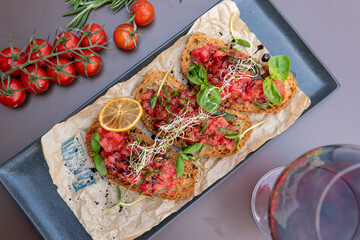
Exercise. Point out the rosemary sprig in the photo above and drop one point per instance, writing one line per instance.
(82, 8)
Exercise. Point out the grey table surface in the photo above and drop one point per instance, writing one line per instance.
(330, 27)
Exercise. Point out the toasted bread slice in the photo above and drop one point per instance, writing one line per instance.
(243, 122)
(183, 190)
(199, 40)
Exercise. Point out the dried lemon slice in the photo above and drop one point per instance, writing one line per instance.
(120, 114)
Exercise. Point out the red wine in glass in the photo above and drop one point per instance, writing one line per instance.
(317, 196)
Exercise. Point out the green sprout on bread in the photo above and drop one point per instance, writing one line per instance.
(239, 136)
(154, 99)
(237, 40)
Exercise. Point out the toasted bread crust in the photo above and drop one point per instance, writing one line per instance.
(200, 40)
(155, 78)
(188, 179)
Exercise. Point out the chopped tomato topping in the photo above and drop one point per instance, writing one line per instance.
(171, 104)
(156, 178)
(246, 84)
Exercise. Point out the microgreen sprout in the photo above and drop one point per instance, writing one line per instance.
(125, 204)
(241, 135)
(154, 99)
(237, 40)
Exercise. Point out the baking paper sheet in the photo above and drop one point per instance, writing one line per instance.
(87, 193)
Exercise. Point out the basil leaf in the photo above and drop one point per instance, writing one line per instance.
(197, 74)
(179, 165)
(209, 98)
(271, 91)
(184, 156)
(227, 131)
(261, 105)
(166, 96)
(193, 148)
(241, 42)
(205, 126)
(99, 164)
(279, 67)
(153, 101)
(175, 93)
(161, 102)
(232, 137)
(182, 101)
(203, 150)
(95, 142)
(149, 174)
(229, 117)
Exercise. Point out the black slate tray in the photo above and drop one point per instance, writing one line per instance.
(26, 176)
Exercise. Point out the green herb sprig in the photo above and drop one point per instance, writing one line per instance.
(239, 136)
(82, 8)
(125, 204)
(154, 99)
(98, 161)
(208, 97)
(279, 69)
(187, 154)
(237, 40)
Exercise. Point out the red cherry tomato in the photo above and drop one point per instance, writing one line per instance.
(66, 41)
(61, 71)
(88, 64)
(125, 37)
(94, 35)
(6, 59)
(9, 96)
(42, 49)
(144, 12)
(39, 77)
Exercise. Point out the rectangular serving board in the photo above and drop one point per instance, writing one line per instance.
(26, 175)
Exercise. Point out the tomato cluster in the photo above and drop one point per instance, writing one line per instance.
(141, 13)
(41, 63)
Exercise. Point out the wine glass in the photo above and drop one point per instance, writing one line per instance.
(317, 196)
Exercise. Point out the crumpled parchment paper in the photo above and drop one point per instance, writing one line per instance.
(87, 193)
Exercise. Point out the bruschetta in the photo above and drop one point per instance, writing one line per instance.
(239, 77)
(176, 115)
(123, 154)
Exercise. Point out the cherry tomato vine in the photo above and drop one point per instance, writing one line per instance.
(59, 60)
